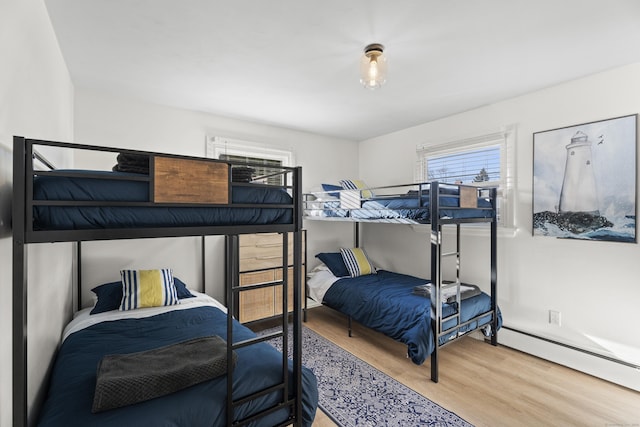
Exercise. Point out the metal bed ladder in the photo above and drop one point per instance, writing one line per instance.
(284, 387)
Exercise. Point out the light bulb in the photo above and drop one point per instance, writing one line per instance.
(373, 67)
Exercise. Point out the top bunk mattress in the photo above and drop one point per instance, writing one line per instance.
(127, 197)
(412, 207)
(418, 209)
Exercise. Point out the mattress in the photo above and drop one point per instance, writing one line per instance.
(89, 337)
(386, 303)
(128, 188)
(418, 209)
(410, 208)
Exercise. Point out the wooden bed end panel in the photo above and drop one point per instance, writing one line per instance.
(190, 181)
(468, 197)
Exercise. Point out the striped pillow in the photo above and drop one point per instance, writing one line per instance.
(356, 184)
(357, 262)
(147, 288)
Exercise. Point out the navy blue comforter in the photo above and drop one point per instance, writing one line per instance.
(385, 302)
(51, 187)
(73, 379)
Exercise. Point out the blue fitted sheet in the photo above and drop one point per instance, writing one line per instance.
(385, 302)
(49, 187)
(73, 378)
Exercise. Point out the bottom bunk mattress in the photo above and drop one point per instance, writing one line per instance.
(88, 338)
(386, 302)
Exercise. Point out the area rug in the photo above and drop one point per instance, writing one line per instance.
(354, 393)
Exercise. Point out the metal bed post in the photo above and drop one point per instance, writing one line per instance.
(356, 244)
(494, 269)
(297, 295)
(231, 277)
(203, 271)
(304, 280)
(458, 298)
(19, 273)
(436, 281)
(79, 274)
(285, 310)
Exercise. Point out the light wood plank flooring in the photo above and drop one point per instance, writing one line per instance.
(487, 385)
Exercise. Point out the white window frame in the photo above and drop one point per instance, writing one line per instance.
(506, 185)
(217, 145)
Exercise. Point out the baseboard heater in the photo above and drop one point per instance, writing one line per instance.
(582, 350)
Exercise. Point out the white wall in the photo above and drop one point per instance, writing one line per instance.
(102, 119)
(593, 284)
(36, 101)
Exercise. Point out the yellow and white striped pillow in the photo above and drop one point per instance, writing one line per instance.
(357, 262)
(147, 288)
(357, 184)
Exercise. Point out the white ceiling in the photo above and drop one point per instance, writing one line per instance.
(294, 63)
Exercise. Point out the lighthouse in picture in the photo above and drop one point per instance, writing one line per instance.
(578, 192)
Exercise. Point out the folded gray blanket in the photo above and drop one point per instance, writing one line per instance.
(136, 163)
(125, 379)
(449, 294)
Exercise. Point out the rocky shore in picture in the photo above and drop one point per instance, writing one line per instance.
(573, 222)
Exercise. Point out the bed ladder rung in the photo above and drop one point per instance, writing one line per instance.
(289, 404)
(258, 394)
(257, 340)
(247, 421)
(245, 288)
(453, 316)
(448, 284)
(447, 254)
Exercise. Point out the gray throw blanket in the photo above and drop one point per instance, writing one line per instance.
(125, 379)
(136, 163)
(449, 294)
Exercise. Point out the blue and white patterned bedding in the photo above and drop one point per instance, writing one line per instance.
(418, 209)
(411, 207)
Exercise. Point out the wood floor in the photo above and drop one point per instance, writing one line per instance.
(487, 385)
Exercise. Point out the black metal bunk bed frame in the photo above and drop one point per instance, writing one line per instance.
(25, 234)
(437, 222)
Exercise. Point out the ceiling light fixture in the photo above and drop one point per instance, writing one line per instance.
(373, 66)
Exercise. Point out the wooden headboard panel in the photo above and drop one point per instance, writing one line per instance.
(190, 181)
(468, 197)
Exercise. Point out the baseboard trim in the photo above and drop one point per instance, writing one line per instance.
(608, 368)
(611, 359)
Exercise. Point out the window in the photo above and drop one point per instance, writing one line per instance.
(270, 159)
(477, 166)
(485, 161)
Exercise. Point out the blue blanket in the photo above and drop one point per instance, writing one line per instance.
(386, 303)
(73, 379)
(52, 187)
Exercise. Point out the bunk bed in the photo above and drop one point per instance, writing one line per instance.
(394, 303)
(150, 195)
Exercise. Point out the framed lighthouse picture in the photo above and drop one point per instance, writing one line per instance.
(584, 181)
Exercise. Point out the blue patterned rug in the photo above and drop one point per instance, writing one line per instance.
(354, 393)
